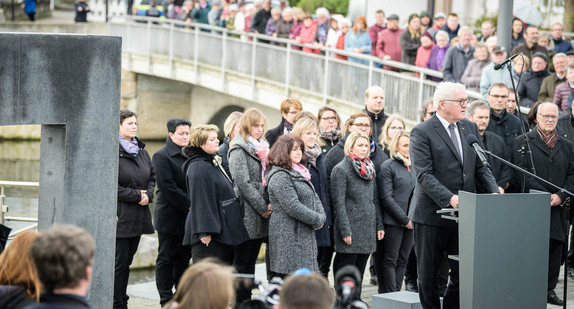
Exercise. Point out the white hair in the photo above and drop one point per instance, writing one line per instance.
(546, 104)
(464, 29)
(559, 55)
(492, 39)
(345, 21)
(249, 7)
(286, 10)
(275, 10)
(442, 33)
(322, 11)
(445, 90)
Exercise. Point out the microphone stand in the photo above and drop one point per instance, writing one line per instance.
(565, 206)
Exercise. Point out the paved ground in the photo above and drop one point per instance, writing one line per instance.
(145, 295)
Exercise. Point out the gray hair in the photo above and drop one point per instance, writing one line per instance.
(322, 11)
(559, 55)
(345, 21)
(443, 34)
(464, 29)
(478, 104)
(445, 90)
(286, 10)
(368, 90)
(538, 111)
(275, 10)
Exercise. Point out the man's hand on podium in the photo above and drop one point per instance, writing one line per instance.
(454, 201)
(555, 200)
(501, 190)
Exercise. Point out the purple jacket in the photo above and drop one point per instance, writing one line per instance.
(436, 60)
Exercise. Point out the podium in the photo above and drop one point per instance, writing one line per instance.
(503, 249)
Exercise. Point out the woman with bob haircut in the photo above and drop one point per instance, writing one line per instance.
(205, 284)
(248, 166)
(208, 187)
(297, 210)
(308, 130)
(358, 219)
(329, 128)
(393, 124)
(19, 282)
(396, 182)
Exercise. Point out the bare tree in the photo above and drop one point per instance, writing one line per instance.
(568, 16)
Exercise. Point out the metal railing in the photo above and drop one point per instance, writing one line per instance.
(279, 62)
(5, 208)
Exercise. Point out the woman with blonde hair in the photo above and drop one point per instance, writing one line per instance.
(358, 222)
(248, 166)
(19, 282)
(393, 124)
(230, 129)
(204, 285)
(308, 130)
(209, 188)
(396, 182)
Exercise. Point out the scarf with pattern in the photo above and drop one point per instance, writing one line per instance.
(548, 139)
(261, 149)
(330, 135)
(131, 147)
(364, 167)
(312, 153)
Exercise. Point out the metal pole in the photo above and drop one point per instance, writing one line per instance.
(287, 69)
(12, 9)
(504, 25)
(107, 9)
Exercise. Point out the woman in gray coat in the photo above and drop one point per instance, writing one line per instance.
(473, 72)
(247, 158)
(297, 210)
(396, 182)
(358, 220)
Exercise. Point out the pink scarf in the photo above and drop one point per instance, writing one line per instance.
(301, 169)
(261, 149)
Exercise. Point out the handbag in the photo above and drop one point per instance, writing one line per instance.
(234, 221)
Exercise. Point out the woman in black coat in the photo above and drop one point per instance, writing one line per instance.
(208, 188)
(329, 128)
(396, 182)
(136, 181)
(307, 129)
(171, 209)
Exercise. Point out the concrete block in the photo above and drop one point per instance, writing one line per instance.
(147, 252)
(397, 300)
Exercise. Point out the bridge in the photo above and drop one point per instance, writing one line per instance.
(172, 68)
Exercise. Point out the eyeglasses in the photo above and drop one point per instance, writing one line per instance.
(552, 117)
(496, 96)
(361, 125)
(461, 102)
(329, 118)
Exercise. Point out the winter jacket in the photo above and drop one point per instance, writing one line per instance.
(271, 26)
(208, 188)
(341, 45)
(297, 212)
(61, 301)
(561, 96)
(200, 16)
(272, 135)
(223, 149)
(320, 184)
(455, 62)
(505, 125)
(307, 36)
(284, 28)
(522, 48)
(356, 210)
(436, 61)
(388, 43)
(451, 33)
(409, 47)
(374, 31)
(135, 174)
(530, 86)
(172, 203)
(561, 46)
(259, 21)
(245, 168)
(359, 40)
(473, 72)
(396, 183)
(14, 297)
(548, 87)
(423, 55)
(490, 76)
(378, 121)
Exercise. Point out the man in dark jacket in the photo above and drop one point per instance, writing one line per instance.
(530, 45)
(457, 57)
(64, 256)
(502, 123)
(375, 108)
(452, 26)
(549, 84)
(560, 45)
(479, 113)
(529, 87)
(200, 11)
(289, 110)
(553, 158)
(171, 209)
(261, 17)
(566, 129)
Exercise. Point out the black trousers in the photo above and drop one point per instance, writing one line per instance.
(359, 260)
(554, 262)
(224, 253)
(125, 250)
(431, 245)
(244, 262)
(411, 275)
(392, 256)
(172, 260)
(324, 258)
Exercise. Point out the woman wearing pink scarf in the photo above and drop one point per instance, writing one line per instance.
(247, 158)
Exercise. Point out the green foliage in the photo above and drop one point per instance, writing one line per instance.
(334, 6)
(493, 19)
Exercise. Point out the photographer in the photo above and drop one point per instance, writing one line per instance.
(306, 291)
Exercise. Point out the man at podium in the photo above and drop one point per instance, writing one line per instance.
(553, 158)
(444, 163)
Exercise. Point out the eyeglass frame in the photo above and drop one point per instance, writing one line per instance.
(460, 102)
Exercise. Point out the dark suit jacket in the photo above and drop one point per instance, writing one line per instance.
(272, 135)
(500, 171)
(556, 166)
(439, 171)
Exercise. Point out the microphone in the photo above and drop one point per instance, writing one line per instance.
(473, 141)
(346, 280)
(500, 65)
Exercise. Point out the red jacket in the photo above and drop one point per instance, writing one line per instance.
(388, 44)
(307, 35)
(341, 45)
(423, 55)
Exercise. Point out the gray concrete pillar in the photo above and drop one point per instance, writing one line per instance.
(504, 25)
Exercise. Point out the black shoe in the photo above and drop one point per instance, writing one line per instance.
(374, 281)
(571, 273)
(554, 300)
(411, 287)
